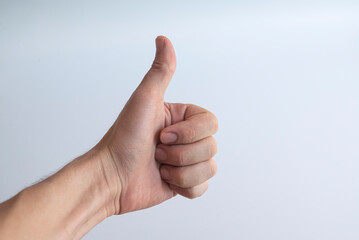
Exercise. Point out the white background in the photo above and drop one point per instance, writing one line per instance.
(282, 77)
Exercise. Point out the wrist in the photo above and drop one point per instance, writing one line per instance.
(93, 191)
(108, 178)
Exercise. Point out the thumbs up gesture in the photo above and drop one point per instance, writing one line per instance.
(155, 149)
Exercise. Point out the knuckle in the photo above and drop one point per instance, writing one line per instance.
(197, 191)
(192, 193)
(181, 158)
(211, 122)
(212, 167)
(212, 147)
(181, 179)
(215, 122)
(200, 193)
(191, 106)
(163, 67)
(189, 135)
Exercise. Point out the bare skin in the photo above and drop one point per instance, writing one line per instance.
(153, 151)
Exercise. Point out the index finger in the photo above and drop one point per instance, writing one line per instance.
(198, 123)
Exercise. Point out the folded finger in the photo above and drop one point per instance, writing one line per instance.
(187, 154)
(198, 123)
(192, 192)
(189, 176)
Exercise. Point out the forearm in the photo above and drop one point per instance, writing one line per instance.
(64, 206)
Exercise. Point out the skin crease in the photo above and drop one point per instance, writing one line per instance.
(153, 151)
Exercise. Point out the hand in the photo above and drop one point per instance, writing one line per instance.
(153, 151)
(157, 149)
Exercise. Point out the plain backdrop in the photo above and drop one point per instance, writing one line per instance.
(281, 76)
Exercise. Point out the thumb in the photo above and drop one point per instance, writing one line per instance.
(159, 76)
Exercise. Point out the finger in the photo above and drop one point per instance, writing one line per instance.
(182, 155)
(189, 176)
(160, 74)
(192, 192)
(197, 123)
